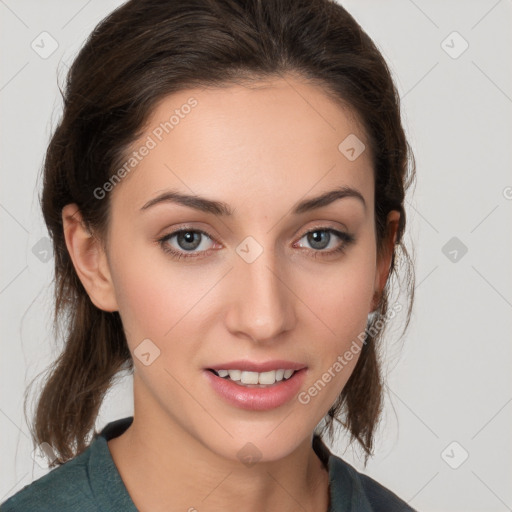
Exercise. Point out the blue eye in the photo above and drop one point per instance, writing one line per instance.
(320, 238)
(189, 240)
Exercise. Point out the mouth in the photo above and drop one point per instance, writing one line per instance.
(253, 379)
(253, 390)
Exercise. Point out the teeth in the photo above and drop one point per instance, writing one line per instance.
(249, 378)
(265, 378)
(235, 374)
(288, 374)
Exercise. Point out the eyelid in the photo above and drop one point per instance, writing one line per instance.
(345, 237)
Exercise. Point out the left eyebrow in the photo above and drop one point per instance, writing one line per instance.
(328, 198)
(220, 208)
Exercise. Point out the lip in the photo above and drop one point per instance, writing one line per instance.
(253, 366)
(257, 399)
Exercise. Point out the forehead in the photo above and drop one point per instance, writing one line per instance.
(248, 145)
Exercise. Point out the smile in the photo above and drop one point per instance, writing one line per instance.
(254, 396)
(247, 378)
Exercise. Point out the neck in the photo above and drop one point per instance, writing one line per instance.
(198, 479)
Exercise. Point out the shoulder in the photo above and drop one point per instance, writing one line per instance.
(65, 488)
(367, 495)
(370, 495)
(381, 498)
(352, 491)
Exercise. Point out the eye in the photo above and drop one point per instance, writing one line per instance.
(187, 240)
(190, 242)
(320, 238)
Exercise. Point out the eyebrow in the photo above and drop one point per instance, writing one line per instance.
(220, 208)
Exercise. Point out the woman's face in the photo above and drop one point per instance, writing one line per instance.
(244, 282)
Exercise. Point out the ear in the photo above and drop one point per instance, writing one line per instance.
(89, 259)
(384, 262)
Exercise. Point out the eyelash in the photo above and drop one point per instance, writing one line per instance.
(347, 239)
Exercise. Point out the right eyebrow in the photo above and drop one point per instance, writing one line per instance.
(198, 203)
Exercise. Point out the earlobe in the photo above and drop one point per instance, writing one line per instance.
(384, 263)
(89, 259)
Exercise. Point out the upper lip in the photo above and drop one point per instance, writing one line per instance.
(260, 367)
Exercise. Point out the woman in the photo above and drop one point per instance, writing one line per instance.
(225, 194)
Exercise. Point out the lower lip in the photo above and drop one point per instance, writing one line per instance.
(257, 399)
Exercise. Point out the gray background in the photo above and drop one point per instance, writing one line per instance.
(449, 377)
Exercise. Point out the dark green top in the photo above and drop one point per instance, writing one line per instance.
(91, 483)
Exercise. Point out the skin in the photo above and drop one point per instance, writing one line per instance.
(260, 150)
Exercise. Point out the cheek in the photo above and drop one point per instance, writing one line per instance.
(342, 310)
(144, 295)
(141, 303)
(341, 297)
(157, 300)
(340, 301)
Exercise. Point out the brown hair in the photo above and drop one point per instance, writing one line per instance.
(143, 51)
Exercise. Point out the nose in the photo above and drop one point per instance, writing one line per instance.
(262, 301)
